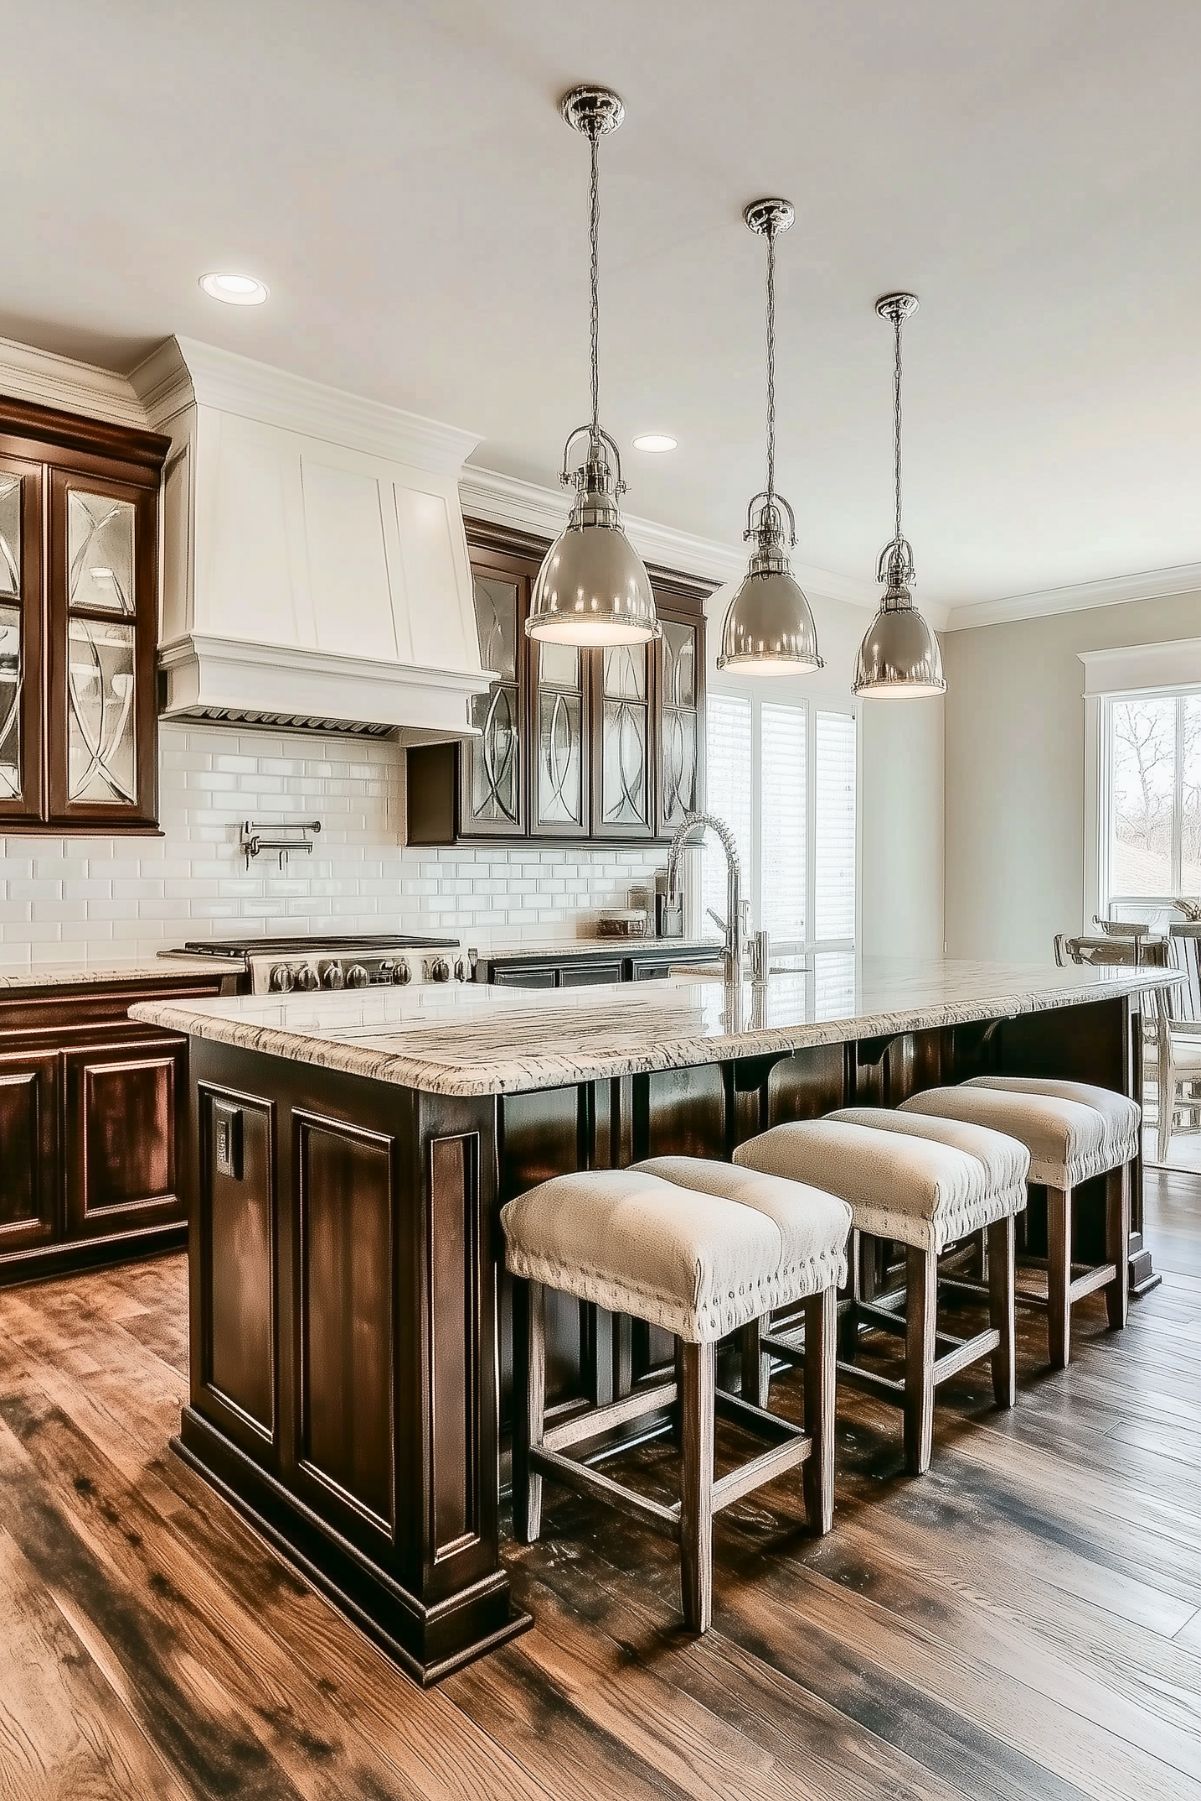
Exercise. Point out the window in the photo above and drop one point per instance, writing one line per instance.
(783, 778)
(1152, 808)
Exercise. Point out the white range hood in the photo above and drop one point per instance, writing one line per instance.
(315, 569)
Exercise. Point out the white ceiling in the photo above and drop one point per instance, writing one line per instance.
(400, 176)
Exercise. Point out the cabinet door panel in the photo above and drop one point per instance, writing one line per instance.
(124, 1113)
(29, 1160)
(622, 775)
(560, 741)
(589, 975)
(102, 624)
(20, 639)
(492, 765)
(680, 685)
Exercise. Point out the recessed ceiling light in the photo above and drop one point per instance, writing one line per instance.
(655, 441)
(235, 290)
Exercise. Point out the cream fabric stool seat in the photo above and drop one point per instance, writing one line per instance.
(1073, 1131)
(924, 1183)
(700, 1258)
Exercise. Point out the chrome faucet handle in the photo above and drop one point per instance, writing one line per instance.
(760, 957)
(715, 916)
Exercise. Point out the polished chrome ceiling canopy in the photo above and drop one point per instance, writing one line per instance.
(769, 627)
(592, 587)
(899, 658)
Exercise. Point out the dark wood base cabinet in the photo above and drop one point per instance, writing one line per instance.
(352, 1355)
(92, 1109)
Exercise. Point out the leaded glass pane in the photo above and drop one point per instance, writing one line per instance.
(625, 672)
(10, 702)
(496, 624)
(100, 540)
(679, 765)
(559, 665)
(560, 777)
(624, 764)
(100, 712)
(494, 758)
(10, 536)
(679, 664)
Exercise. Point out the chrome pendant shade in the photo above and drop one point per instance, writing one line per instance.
(899, 658)
(769, 627)
(592, 587)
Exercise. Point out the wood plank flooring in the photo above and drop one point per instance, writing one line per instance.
(1023, 1622)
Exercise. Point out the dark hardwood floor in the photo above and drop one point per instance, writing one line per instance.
(1023, 1622)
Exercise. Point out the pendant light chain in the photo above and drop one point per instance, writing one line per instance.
(896, 417)
(771, 364)
(594, 231)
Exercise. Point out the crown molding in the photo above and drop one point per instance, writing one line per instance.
(508, 500)
(1112, 591)
(60, 381)
(183, 370)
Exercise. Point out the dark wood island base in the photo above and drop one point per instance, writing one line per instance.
(351, 1345)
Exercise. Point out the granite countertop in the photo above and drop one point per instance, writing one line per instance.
(476, 1040)
(101, 971)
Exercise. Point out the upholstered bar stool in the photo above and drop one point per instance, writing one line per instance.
(1073, 1131)
(700, 1261)
(923, 1183)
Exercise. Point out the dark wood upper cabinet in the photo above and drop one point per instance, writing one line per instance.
(78, 621)
(576, 746)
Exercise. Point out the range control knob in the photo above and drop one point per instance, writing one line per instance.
(385, 970)
(282, 977)
(438, 969)
(401, 973)
(461, 970)
(332, 977)
(356, 976)
(307, 977)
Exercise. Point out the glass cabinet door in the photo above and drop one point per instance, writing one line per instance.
(102, 607)
(680, 751)
(625, 756)
(560, 793)
(20, 639)
(492, 797)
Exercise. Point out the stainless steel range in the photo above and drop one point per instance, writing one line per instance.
(364, 961)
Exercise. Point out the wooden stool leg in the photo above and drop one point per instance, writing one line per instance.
(1059, 1277)
(756, 1365)
(848, 1324)
(921, 1315)
(699, 1363)
(1117, 1244)
(1001, 1241)
(677, 1412)
(529, 1299)
(821, 1328)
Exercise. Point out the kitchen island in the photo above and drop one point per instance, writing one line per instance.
(350, 1342)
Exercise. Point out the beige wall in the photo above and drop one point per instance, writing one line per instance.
(900, 783)
(1015, 770)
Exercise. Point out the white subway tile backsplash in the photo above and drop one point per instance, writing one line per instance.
(59, 898)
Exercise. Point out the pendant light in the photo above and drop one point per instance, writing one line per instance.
(899, 658)
(592, 587)
(769, 627)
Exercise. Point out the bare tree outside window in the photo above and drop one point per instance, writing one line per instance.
(1155, 795)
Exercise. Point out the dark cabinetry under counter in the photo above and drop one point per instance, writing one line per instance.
(630, 960)
(572, 745)
(91, 1114)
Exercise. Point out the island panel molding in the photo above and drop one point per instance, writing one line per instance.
(419, 1568)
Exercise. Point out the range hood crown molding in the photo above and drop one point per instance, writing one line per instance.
(183, 370)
